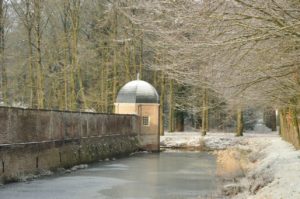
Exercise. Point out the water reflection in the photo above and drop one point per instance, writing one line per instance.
(166, 175)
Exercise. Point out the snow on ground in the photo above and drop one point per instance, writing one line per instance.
(273, 170)
(178, 140)
(212, 141)
(276, 174)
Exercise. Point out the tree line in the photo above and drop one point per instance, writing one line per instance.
(213, 62)
(244, 52)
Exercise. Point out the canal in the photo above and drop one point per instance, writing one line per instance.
(168, 175)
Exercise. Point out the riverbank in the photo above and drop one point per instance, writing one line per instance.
(255, 166)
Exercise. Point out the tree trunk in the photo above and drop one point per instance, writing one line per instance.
(115, 71)
(281, 122)
(284, 126)
(155, 78)
(4, 88)
(295, 138)
(205, 123)
(105, 81)
(28, 23)
(171, 107)
(161, 109)
(39, 68)
(270, 119)
(68, 100)
(75, 16)
(179, 121)
(127, 62)
(141, 58)
(239, 122)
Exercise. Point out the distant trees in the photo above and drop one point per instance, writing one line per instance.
(259, 40)
(269, 117)
(68, 54)
(246, 51)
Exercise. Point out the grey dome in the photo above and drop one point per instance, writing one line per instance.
(137, 91)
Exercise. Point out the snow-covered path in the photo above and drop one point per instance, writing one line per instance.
(273, 168)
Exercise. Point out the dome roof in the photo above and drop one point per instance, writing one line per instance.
(138, 91)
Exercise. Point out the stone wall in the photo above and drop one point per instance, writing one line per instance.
(32, 141)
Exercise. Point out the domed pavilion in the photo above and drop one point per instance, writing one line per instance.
(141, 98)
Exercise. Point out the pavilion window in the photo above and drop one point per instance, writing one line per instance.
(146, 121)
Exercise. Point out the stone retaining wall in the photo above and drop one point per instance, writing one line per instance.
(32, 141)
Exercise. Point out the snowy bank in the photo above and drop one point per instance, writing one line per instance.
(255, 166)
(212, 141)
(275, 173)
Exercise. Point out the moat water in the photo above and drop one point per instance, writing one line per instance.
(168, 175)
